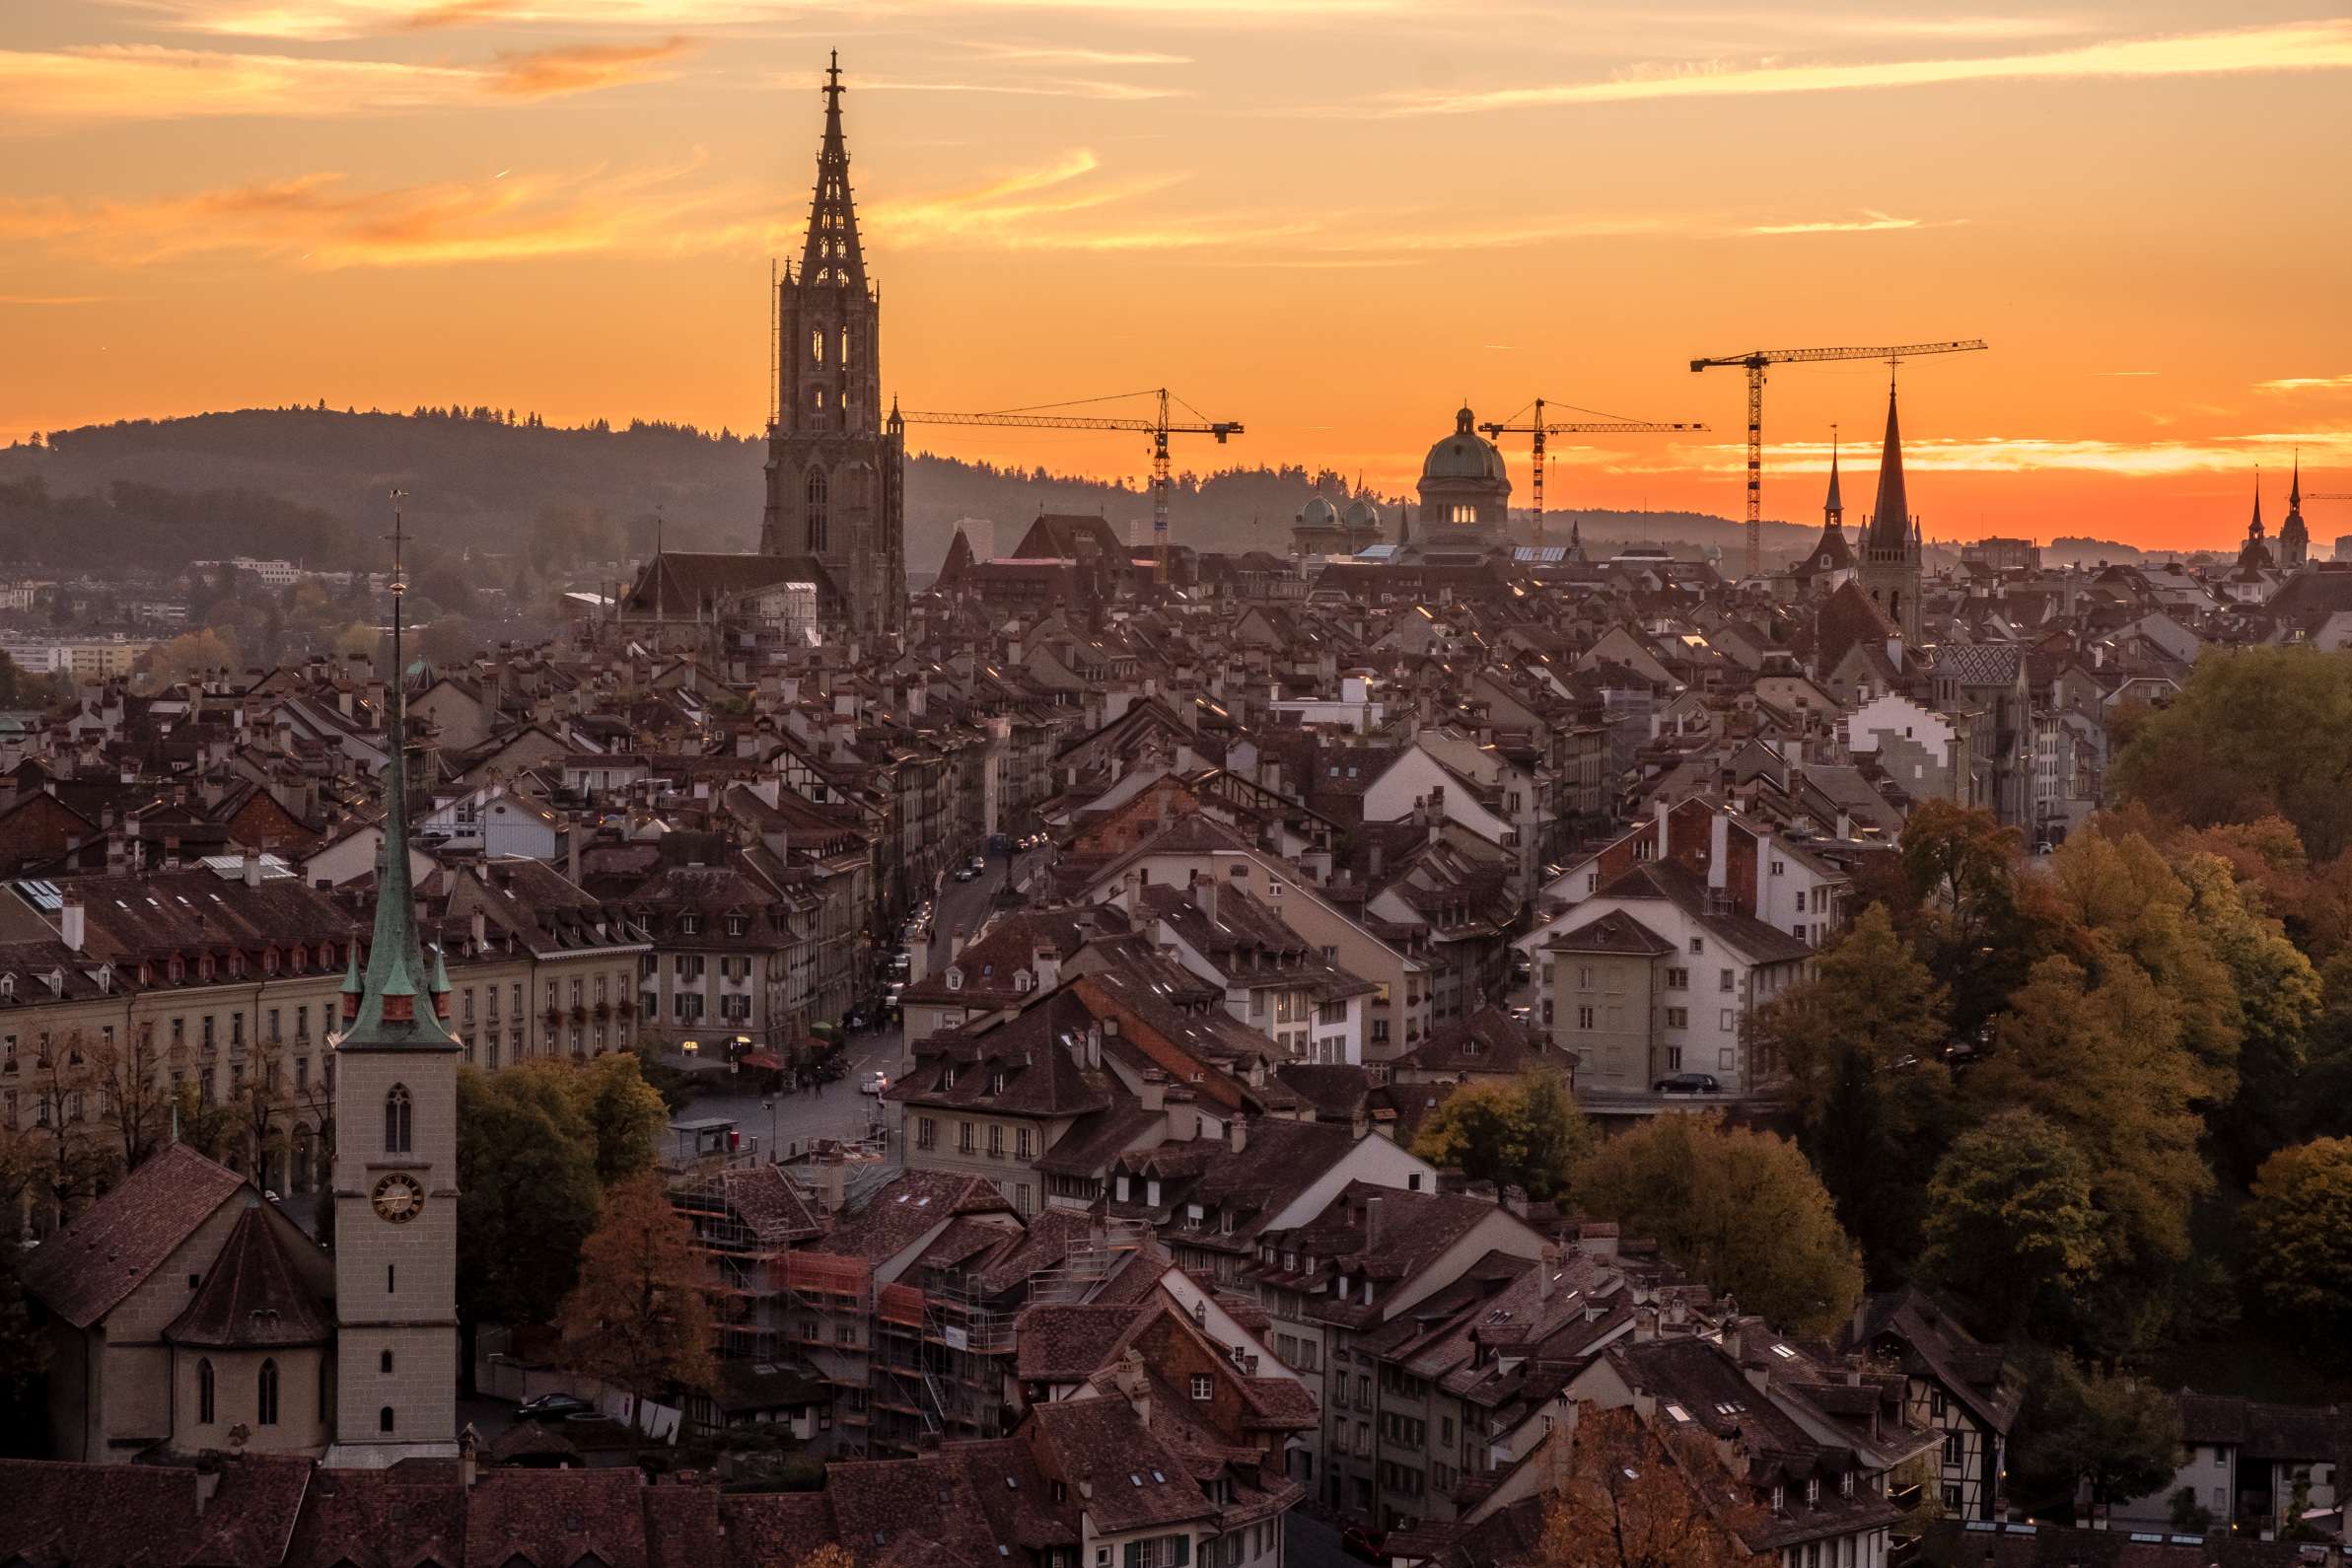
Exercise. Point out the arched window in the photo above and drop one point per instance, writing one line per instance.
(845, 346)
(266, 1397)
(395, 1120)
(817, 347)
(204, 1393)
(383, 1420)
(818, 495)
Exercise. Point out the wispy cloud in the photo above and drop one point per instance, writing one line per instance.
(1055, 55)
(2123, 373)
(2143, 460)
(1868, 222)
(1115, 92)
(2286, 47)
(2289, 384)
(319, 222)
(149, 82)
(585, 67)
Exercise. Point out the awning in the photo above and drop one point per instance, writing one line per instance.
(764, 1060)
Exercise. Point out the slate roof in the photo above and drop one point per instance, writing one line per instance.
(86, 1270)
(252, 1297)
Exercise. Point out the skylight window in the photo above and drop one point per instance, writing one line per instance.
(1679, 1414)
(1784, 1352)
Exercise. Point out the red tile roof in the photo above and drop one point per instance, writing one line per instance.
(88, 1268)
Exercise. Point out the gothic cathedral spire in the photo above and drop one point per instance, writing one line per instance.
(836, 470)
(1890, 569)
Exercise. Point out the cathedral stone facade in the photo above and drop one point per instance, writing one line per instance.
(836, 470)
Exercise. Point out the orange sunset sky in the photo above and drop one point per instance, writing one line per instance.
(1331, 219)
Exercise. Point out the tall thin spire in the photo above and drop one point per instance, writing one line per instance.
(1833, 510)
(397, 974)
(1891, 520)
(2253, 530)
(2294, 485)
(833, 253)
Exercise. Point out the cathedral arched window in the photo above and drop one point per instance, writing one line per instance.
(845, 347)
(266, 1400)
(397, 1121)
(817, 347)
(204, 1411)
(820, 495)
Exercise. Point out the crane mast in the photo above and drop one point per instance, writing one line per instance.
(1538, 428)
(1043, 416)
(1753, 362)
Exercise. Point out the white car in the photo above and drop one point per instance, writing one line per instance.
(873, 1082)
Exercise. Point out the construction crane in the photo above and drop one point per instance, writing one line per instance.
(1045, 417)
(1538, 428)
(1753, 362)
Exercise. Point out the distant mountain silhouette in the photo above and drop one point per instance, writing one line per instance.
(310, 483)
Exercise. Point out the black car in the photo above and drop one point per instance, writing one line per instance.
(555, 1407)
(1687, 1084)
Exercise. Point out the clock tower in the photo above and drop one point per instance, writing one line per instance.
(396, 1164)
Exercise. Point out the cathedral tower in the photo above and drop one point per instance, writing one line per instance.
(836, 476)
(1890, 570)
(2294, 538)
(396, 1162)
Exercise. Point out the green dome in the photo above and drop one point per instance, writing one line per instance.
(1318, 513)
(1464, 454)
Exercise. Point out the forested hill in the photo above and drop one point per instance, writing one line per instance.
(312, 482)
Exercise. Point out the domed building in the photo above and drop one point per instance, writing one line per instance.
(1326, 528)
(1466, 492)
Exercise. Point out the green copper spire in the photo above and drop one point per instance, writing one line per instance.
(398, 1004)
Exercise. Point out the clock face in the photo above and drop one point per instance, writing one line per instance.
(398, 1199)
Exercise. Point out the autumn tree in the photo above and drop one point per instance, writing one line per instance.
(1970, 917)
(1741, 1209)
(190, 653)
(2256, 731)
(69, 1162)
(2278, 999)
(1623, 1497)
(2299, 1238)
(2011, 1216)
(1523, 1132)
(639, 1319)
(1860, 1045)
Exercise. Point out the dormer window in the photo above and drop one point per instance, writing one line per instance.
(1812, 1491)
(1122, 1188)
(1022, 981)
(737, 925)
(1845, 1484)
(688, 925)
(996, 1082)
(947, 1078)
(954, 979)
(1780, 1499)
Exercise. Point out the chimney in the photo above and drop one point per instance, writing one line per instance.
(1663, 810)
(1046, 961)
(479, 930)
(571, 852)
(956, 941)
(468, 1441)
(1236, 1134)
(1152, 1093)
(1719, 850)
(1131, 1382)
(1204, 894)
(1547, 1264)
(1598, 1238)
(251, 867)
(72, 928)
(1372, 1225)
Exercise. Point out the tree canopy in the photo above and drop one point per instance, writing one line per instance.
(1739, 1209)
(1523, 1132)
(2254, 731)
(639, 1318)
(2299, 1238)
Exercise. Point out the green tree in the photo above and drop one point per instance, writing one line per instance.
(2299, 1238)
(1526, 1132)
(526, 1165)
(2104, 1063)
(2010, 1216)
(1860, 1041)
(1967, 917)
(2256, 731)
(1741, 1209)
(2278, 996)
(2118, 1434)
(620, 1117)
(190, 653)
(640, 1318)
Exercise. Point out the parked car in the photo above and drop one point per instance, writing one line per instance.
(1687, 1084)
(1361, 1541)
(968, 872)
(555, 1407)
(873, 1082)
